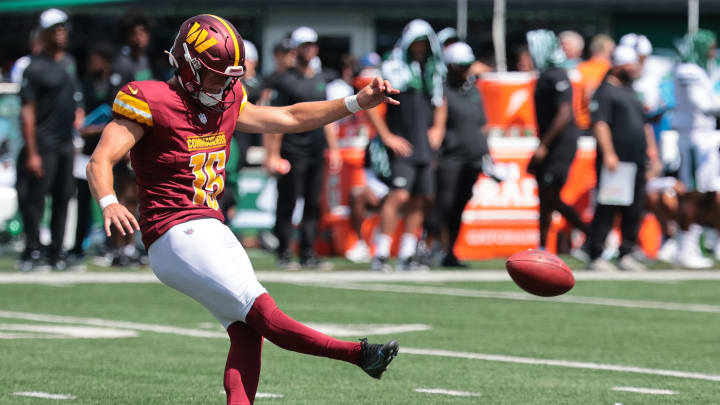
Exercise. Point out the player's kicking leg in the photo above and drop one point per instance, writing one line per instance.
(272, 323)
(203, 259)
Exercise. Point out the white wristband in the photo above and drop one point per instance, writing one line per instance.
(352, 104)
(107, 200)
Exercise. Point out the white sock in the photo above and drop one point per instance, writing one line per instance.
(690, 239)
(408, 246)
(382, 245)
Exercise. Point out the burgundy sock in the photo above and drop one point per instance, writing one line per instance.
(242, 370)
(267, 319)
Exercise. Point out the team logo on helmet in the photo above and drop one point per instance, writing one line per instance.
(200, 37)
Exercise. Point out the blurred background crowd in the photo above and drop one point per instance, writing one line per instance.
(584, 130)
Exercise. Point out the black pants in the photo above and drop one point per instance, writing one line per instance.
(305, 180)
(58, 181)
(631, 215)
(455, 181)
(84, 213)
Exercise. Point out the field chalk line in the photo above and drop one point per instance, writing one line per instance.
(650, 391)
(560, 363)
(404, 350)
(521, 296)
(44, 395)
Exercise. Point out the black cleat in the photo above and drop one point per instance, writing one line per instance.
(375, 358)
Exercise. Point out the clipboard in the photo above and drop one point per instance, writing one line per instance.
(617, 187)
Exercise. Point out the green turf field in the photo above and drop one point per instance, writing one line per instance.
(482, 340)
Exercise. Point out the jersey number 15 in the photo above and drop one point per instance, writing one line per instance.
(208, 184)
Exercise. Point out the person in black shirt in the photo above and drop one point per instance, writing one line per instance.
(558, 135)
(133, 64)
(463, 149)
(623, 135)
(412, 131)
(99, 93)
(305, 153)
(257, 94)
(51, 107)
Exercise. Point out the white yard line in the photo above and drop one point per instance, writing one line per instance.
(442, 391)
(560, 363)
(268, 395)
(35, 331)
(651, 391)
(333, 329)
(112, 324)
(45, 395)
(263, 395)
(351, 276)
(521, 296)
(427, 352)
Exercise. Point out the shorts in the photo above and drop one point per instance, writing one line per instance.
(553, 174)
(553, 171)
(416, 178)
(376, 186)
(699, 162)
(202, 258)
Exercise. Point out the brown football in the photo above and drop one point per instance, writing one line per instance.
(539, 272)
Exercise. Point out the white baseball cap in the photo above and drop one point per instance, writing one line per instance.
(52, 17)
(251, 52)
(640, 42)
(303, 35)
(644, 47)
(458, 53)
(624, 55)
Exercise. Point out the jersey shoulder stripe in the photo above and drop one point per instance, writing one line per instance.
(132, 108)
(244, 101)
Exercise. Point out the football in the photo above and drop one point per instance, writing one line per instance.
(540, 273)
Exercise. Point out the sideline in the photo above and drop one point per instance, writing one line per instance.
(353, 276)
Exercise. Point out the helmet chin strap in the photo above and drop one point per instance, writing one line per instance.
(209, 99)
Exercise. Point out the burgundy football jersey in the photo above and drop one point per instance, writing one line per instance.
(180, 160)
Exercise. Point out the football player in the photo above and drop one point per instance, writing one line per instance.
(178, 135)
(695, 117)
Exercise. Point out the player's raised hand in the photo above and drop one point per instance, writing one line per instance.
(376, 92)
(116, 214)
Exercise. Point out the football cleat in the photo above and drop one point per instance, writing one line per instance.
(375, 358)
(380, 263)
(411, 264)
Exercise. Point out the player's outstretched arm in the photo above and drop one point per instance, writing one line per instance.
(303, 117)
(118, 137)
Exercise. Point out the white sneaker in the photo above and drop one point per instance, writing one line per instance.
(629, 263)
(690, 256)
(710, 238)
(716, 250)
(668, 251)
(580, 255)
(603, 266)
(359, 253)
(693, 260)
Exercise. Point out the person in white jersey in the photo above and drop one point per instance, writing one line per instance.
(695, 115)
